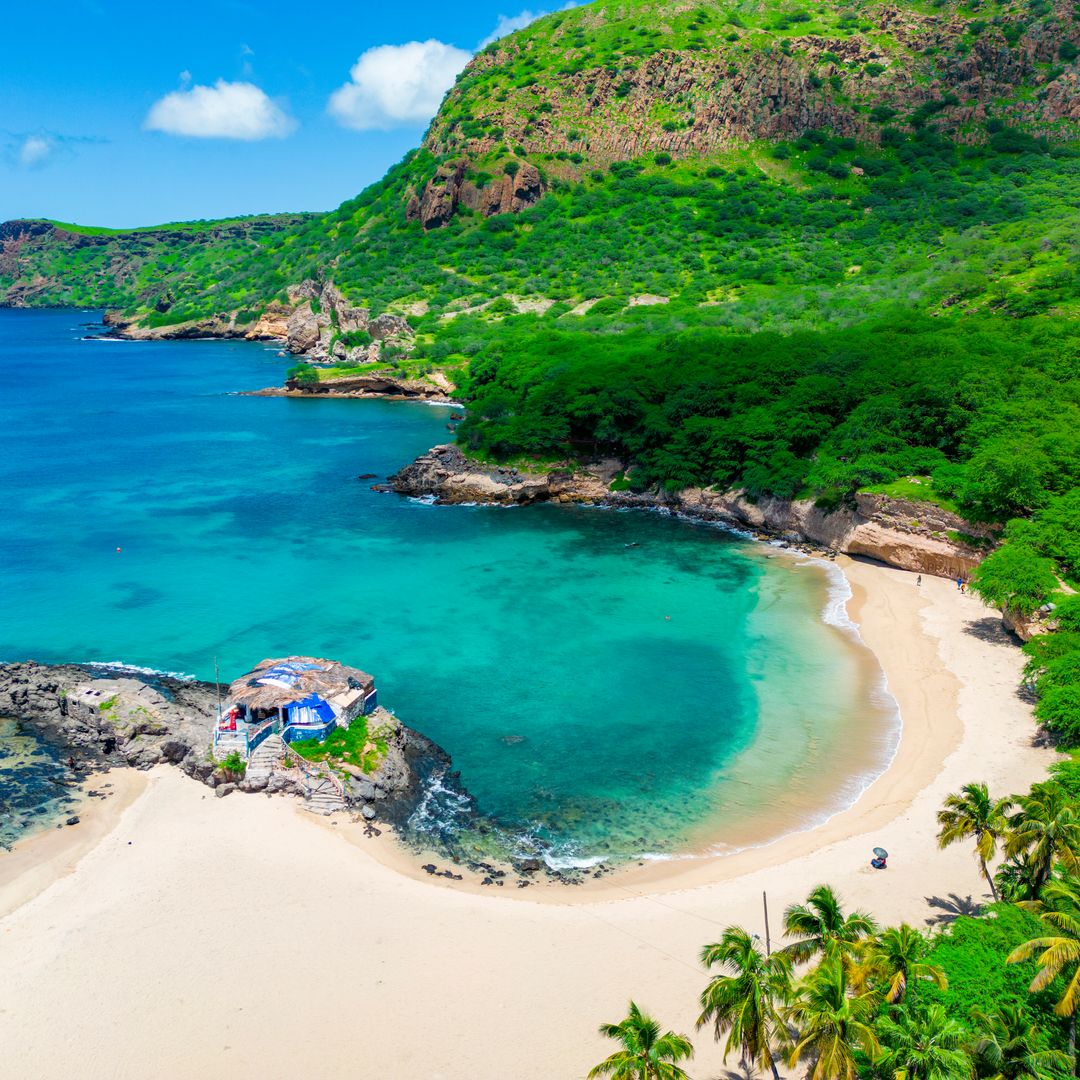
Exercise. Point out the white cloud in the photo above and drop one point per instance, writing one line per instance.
(35, 150)
(397, 85)
(507, 24)
(237, 110)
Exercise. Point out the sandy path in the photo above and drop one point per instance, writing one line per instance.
(237, 937)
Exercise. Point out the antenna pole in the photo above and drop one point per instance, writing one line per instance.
(217, 687)
(768, 941)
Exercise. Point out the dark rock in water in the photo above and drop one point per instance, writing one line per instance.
(73, 820)
(512, 740)
(528, 866)
(110, 716)
(367, 476)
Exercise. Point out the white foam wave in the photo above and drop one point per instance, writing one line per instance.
(571, 862)
(445, 404)
(135, 669)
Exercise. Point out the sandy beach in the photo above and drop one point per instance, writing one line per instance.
(193, 936)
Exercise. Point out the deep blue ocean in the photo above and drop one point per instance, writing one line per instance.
(682, 693)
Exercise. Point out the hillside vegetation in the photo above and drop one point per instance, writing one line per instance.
(801, 249)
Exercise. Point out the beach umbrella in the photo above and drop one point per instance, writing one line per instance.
(881, 853)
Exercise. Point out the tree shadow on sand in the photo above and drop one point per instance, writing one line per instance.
(950, 908)
(991, 630)
(743, 1072)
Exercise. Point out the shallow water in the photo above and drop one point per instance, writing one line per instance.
(35, 785)
(681, 693)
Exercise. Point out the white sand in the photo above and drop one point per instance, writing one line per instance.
(240, 937)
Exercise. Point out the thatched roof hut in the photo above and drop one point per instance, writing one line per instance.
(276, 684)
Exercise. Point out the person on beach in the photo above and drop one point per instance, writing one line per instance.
(960, 583)
(918, 580)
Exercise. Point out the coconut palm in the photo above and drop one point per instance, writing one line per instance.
(821, 927)
(1018, 880)
(1057, 954)
(646, 1054)
(1045, 828)
(972, 814)
(1008, 1046)
(745, 1000)
(924, 1045)
(832, 1024)
(897, 958)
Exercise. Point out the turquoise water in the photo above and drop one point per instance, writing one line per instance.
(618, 699)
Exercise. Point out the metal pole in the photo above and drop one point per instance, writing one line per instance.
(217, 686)
(768, 940)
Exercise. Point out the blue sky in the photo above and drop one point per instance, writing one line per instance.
(127, 114)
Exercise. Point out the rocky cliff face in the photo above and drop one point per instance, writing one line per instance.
(314, 324)
(910, 535)
(621, 82)
(448, 189)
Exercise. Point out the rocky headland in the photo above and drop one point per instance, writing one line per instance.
(105, 717)
(319, 326)
(917, 536)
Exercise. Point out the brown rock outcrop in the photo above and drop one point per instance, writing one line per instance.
(911, 535)
(449, 188)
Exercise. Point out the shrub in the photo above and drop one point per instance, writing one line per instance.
(234, 765)
(355, 338)
(662, 159)
(303, 376)
(1015, 578)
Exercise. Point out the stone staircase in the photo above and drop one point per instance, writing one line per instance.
(322, 797)
(321, 794)
(264, 758)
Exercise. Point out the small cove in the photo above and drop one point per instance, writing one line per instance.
(619, 684)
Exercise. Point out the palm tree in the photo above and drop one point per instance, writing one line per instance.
(923, 1045)
(745, 1000)
(1008, 1046)
(897, 957)
(1058, 954)
(821, 926)
(1018, 880)
(832, 1024)
(646, 1054)
(972, 814)
(1044, 828)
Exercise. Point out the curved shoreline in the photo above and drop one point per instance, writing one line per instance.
(910, 636)
(929, 730)
(169, 871)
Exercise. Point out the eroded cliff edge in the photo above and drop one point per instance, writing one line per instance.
(910, 535)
